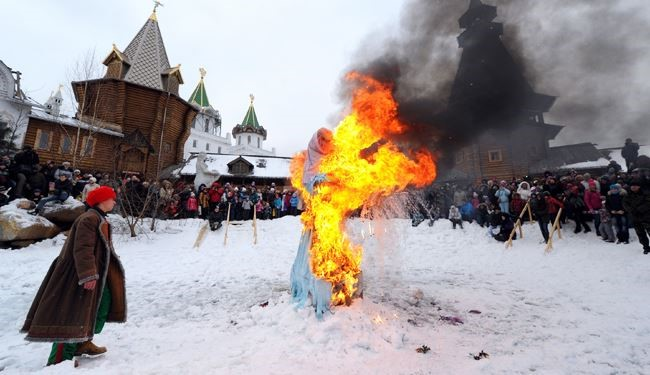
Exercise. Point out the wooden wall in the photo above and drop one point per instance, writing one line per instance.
(163, 118)
(102, 157)
(519, 149)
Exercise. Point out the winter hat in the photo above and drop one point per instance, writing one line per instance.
(92, 180)
(592, 183)
(615, 187)
(102, 193)
(635, 182)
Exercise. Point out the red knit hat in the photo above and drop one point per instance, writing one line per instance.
(99, 195)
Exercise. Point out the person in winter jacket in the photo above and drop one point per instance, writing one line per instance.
(455, 217)
(192, 206)
(540, 210)
(204, 202)
(614, 204)
(247, 209)
(524, 191)
(62, 190)
(507, 225)
(576, 208)
(630, 153)
(467, 212)
(637, 203)
(215, 218)
(594, 204)
(83, 289)
(482, 214)
(90, 186)
(517, 205)
(293, 202)
(606, 230)
(503, 197)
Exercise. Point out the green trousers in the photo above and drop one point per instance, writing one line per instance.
(62, 352)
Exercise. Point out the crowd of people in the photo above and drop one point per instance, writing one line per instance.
(613, 203)
(24, 177)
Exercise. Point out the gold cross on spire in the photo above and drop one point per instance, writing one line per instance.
(203, 72)
(252, 98)
(153, 14)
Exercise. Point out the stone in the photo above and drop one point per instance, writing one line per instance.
(63, 213)
(16, 224)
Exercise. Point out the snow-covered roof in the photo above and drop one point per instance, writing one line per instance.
(602, 162)
(69, 121)
(263, 166)
(616, 154)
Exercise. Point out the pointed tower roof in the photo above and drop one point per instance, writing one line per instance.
(251, 118)
(250, 123)
(199, 95)
(147, 56)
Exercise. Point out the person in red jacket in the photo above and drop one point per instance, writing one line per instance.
(553, 206)
(215, 193)
(192, 206)
(516, 205)
(594, 204)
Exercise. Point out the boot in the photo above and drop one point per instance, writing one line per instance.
(89, 349)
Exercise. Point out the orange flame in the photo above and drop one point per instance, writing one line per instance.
(363, 168)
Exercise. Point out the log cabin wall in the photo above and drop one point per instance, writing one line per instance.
(55, 141)
(162, 117)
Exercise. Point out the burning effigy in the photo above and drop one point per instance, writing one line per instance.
(355, 165)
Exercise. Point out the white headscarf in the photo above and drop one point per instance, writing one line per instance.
(314, 154)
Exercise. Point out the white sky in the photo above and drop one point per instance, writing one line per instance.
(290, 54)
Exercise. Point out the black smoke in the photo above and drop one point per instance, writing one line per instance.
(592, 54)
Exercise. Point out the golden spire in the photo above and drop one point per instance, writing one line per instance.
(252, 98)
(203, 72)
(153, 16)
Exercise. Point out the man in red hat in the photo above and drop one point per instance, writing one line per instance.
(84, 287)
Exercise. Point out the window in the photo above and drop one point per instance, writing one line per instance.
(194, 143)
(194, 124)
(167, 147)
(219, 149)
(258, 143)
(240, 168)
(239, 140)
(495, 156)
(249, 139)
(206, 127)
(207, 147)
(66, 144)
(87, 146)
(43, 139)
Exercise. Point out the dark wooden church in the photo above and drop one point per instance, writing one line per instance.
(491, 92)
(130, 121)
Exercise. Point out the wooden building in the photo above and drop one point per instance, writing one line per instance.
(491, 96)
(130, 121)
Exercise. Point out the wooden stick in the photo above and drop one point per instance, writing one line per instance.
(254, 225)
(530, 213)
(517, 224)
(225, 237)
(202, 232)
(557, 223)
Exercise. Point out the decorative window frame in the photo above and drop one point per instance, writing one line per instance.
(84, 141)
(499, 156)
(37, 141)
(61, 142)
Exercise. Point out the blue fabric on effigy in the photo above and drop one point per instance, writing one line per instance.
(304, 285)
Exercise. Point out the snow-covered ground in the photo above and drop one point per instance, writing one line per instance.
(582, 309)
